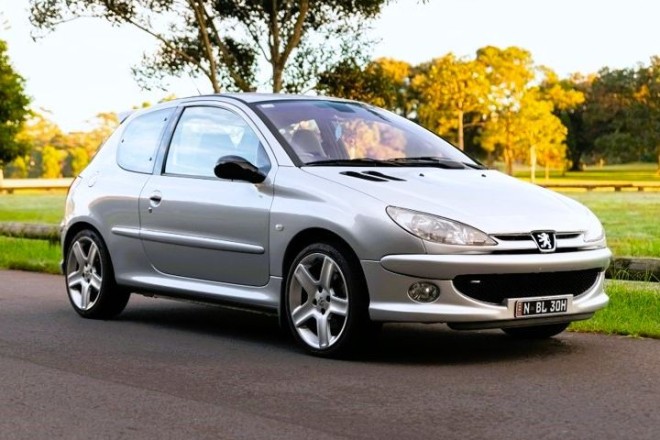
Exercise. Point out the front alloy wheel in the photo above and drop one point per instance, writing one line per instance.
(325, 301)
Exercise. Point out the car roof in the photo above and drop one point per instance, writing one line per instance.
(253, 97)
(245, 97)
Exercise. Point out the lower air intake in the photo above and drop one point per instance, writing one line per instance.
(496, 288)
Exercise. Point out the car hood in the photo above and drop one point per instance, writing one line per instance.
(488, 200)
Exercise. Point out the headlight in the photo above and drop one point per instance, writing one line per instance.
(595, 231)
(437, 229)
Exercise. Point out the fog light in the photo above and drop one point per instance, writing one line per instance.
(423, 292)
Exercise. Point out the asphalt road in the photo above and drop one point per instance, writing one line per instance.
(173, 370)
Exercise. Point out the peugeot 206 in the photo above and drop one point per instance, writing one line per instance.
(335, 215)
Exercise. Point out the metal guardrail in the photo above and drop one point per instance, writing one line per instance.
(11, 185)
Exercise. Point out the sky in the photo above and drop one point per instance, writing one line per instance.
(84, 67)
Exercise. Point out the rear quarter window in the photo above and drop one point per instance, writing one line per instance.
(140, 139)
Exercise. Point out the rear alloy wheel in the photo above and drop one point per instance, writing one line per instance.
(536, 332)
(90, 280)
(325, 301)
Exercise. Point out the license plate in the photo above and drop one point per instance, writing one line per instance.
(544, 306)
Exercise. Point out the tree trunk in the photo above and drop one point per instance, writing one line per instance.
(508, 160)
(508, 151)
(206, 42)
(576, 157)
(280, 53)
(532, 163)
(461, 137)
(277, 78)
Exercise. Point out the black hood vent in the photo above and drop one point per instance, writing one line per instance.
(384, 176)
(372, 176)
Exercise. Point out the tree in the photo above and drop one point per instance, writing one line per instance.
(622, 113)
(609, 100)
(224, 40)
(79, 158)
(383, 82)
(567, 97)
(449, 89)
(531, 132)
(509, 73)
(81, 146)
(37, 133)
(644, 117)
(51, 152)
(581, 133)
(51, 162)
(13, 109)
(542, 133)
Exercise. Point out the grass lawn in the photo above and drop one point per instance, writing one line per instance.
(634, 310)
(631, 220)
(37, 207)
(33, 255)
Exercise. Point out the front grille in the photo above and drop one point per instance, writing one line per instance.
(528, 237)
(534, 251)
(497, 288)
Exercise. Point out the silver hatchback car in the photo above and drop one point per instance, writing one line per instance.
(333, 214)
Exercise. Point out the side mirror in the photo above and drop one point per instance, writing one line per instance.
(238, 168)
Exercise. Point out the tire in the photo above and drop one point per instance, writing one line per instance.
(90, 279)
(326, 302)
(536, 332)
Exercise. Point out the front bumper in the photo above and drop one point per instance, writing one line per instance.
(389, 279)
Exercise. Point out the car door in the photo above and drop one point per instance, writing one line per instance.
(196, 225)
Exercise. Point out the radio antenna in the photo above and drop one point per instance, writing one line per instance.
(192, 80)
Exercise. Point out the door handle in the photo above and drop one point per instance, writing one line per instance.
(154, 200)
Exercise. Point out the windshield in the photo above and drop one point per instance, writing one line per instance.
(334, 133)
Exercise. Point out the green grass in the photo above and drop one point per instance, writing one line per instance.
(634, 310)
(32, 208)
(631, 220)
(32, 255)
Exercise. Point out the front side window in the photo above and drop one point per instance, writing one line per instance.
(140, 140)
(205, 134)
(323, 132)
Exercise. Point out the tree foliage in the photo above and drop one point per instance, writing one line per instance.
(495, 96)
(225, 40)
(53, 153)
(450, 90)
(620, 119)
(13, 109)
(383, 82)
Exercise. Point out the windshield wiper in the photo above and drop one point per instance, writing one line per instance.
(432, 161)
(429, 161)
(475, 166)
(423, 161)
(357, 162)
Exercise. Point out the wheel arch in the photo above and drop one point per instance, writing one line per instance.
(305, 238)
(75, 229)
